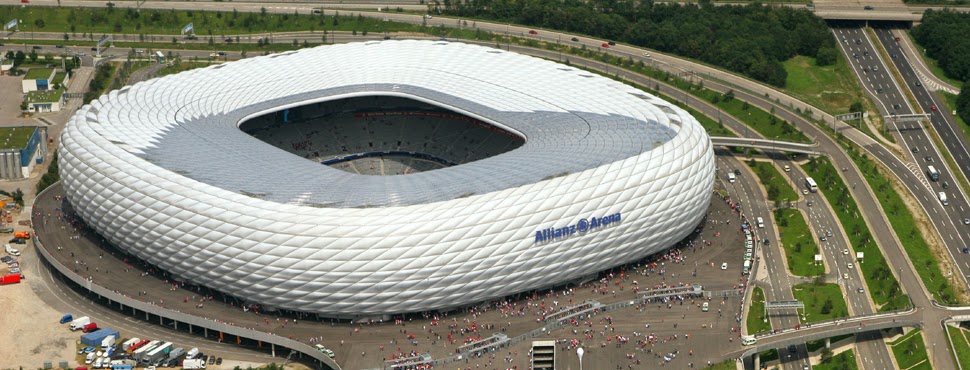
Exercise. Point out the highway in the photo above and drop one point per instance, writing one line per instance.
(918, 150)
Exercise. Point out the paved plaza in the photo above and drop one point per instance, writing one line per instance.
(664, 333)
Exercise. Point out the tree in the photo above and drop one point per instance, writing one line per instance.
(826, 56)
(39, 23)
(827, 306)
(728, 96)
(856, 106)
(33, 56)
(826, 354)
(66, 37)
(963, 103)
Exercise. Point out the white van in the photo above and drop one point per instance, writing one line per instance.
(10, 250)
(89, 359)
(761, 222)
(748, 340)
(730, 177)
(943, 199)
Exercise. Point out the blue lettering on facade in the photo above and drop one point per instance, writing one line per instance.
(581, 227)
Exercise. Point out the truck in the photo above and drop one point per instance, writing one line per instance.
(97, 337)
(10, 279)
(176, 353)
(140, 353)
(137, 345)
(158, 354)
(21, 234)
(193, 363)
(79, 323)
(89, 327)
(933, 173)
(109, 341)
(66, 318)
(128, 343)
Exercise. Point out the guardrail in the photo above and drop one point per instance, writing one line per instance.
(176, 315)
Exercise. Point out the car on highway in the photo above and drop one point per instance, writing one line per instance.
(845, 276)
(821, 237)
(724, 266)
(427, 16)
(928, 158)
(575, 39)
(80, 54)
(646, 55)
(612, 43)
(919, 83)
(945, 185)
(533, 32)
(828, 233)
(845, 252)
(858, 41)
(862, 290)
(36, 47)
(810, 5)
(966, 221)
(879, 90)
(933, 108)
(865, 52)
(605, 45)
(914, 149)
(868, 7)
(896, 106)
(966, 250)
(875, 68)
(316, 11)
(737, 172)
(850, 265)
(787, 168)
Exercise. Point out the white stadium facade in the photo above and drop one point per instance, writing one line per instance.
(371, 179)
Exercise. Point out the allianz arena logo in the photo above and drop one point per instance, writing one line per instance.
(582, 227)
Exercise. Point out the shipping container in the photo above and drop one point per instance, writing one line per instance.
(10, 279)
(97, 337)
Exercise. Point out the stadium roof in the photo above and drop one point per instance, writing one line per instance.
(572, 120)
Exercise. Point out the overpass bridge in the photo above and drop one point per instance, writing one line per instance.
(828, 329)
(784, 146)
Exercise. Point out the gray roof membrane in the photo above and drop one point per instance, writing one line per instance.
(214, 151)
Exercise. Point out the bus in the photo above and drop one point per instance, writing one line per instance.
(933, 173)
(160, 57)
(811, 185)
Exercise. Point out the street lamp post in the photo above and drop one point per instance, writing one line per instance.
(579, 352)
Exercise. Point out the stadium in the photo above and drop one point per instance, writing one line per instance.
(371, 179)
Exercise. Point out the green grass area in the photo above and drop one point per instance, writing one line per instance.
(904, 224)
(769, 355)
(822, 301)
(799, 244)
(15, 137)
(832, 88)
(777, 186)
(756, 313)
(714, 128)
(103, 77)
(951, 101)
(78, 21)
(815, 345)
(730, 364)
(38, 73)
(48, 96)
(910, 351)
(58, 79)
(883, 286)
(961, 344)
(841, 361)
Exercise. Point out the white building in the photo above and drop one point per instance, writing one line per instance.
(455, 174)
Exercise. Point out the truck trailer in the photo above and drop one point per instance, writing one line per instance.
(140, 353)
(79, 323)
(157, 355)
